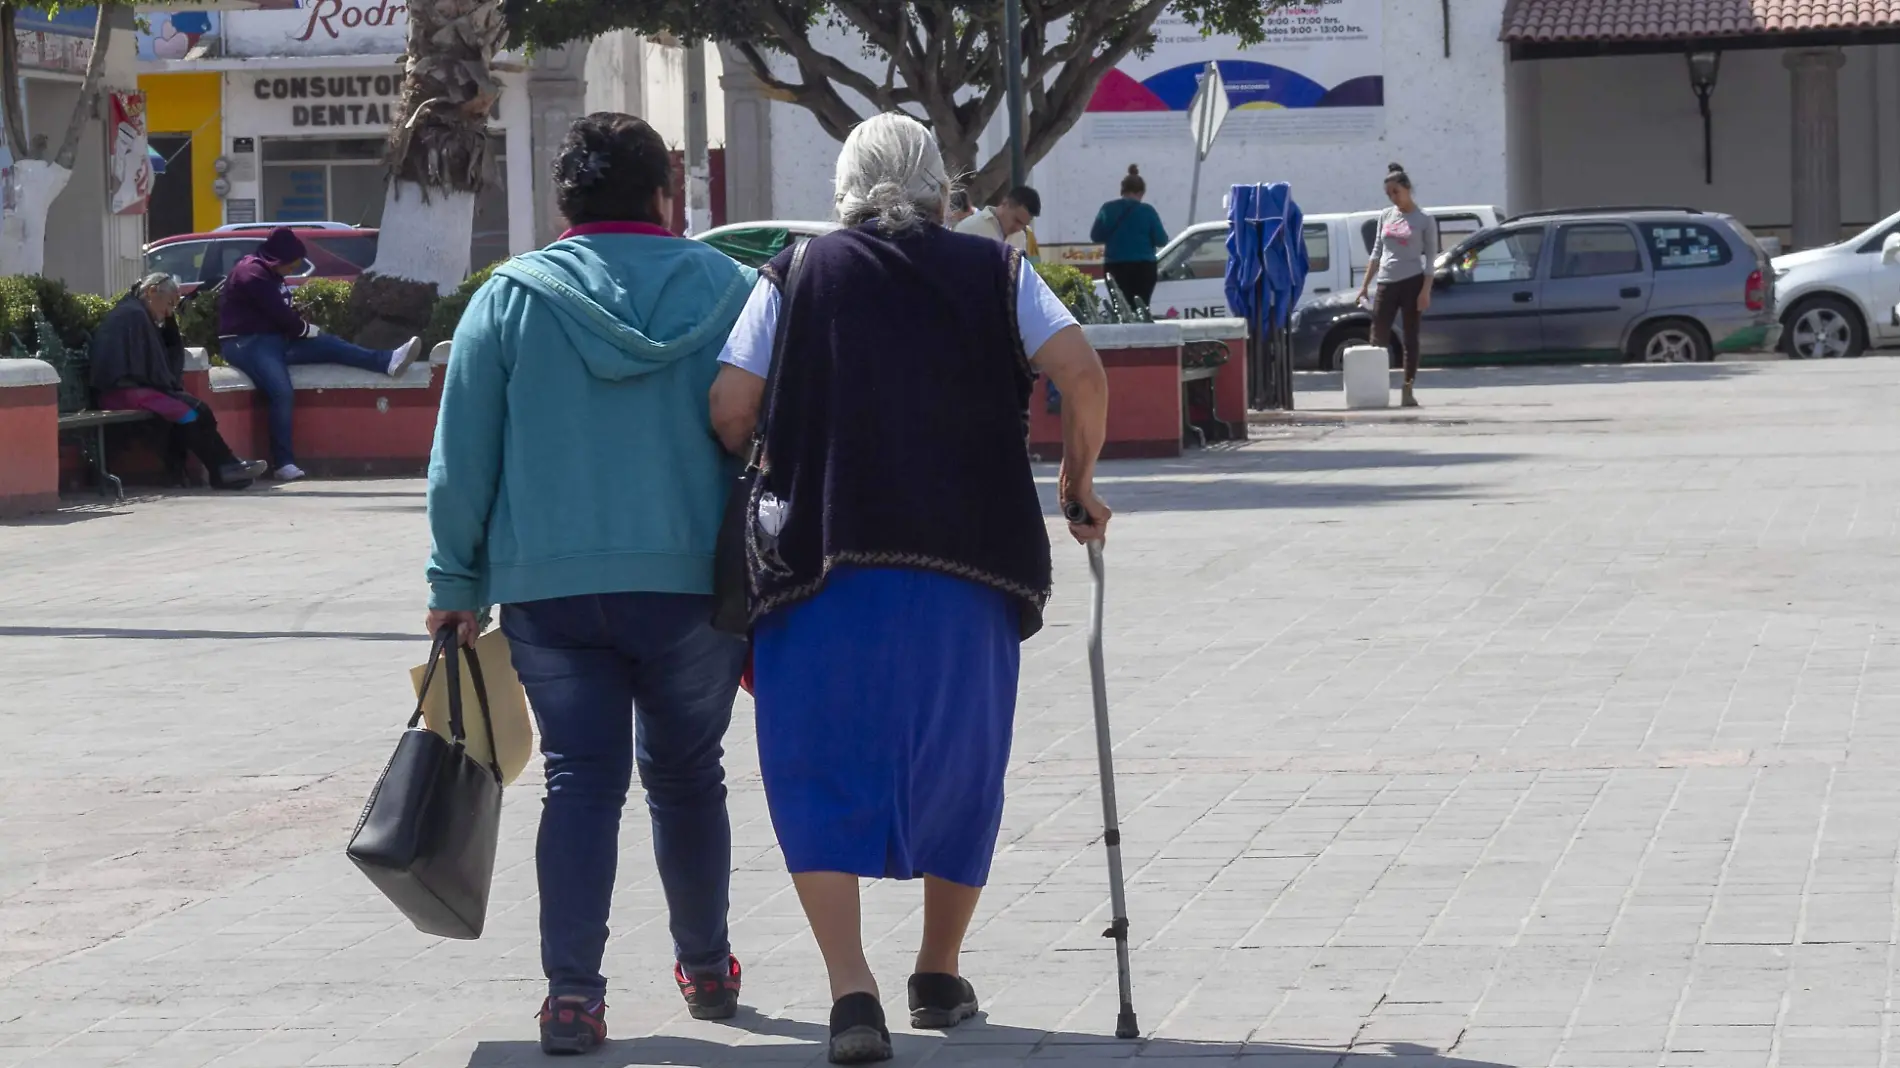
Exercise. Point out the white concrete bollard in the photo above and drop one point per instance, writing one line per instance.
(1368, 377)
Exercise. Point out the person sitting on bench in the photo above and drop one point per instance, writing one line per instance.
(261, 334)
(138, 362)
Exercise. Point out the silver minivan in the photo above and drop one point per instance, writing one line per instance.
(1660, 285)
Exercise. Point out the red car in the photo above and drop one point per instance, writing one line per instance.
(335, 251)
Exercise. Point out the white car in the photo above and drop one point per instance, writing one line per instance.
(755, 243)
(1836, 301)
(1192, 270)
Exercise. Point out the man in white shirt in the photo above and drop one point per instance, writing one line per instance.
(1009, 221)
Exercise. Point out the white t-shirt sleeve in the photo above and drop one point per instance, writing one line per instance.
(1039, 315)
(749, 346)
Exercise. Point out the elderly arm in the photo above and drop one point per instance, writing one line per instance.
(1071, 363)
(735, 398)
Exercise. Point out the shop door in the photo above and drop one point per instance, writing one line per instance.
(169, 211)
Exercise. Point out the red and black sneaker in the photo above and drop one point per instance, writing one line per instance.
(710, 996)
(573, 1025)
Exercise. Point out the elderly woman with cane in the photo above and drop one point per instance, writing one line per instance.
(899, 552)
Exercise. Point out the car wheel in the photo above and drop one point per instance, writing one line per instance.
(1823, 328)
(1671, 341)
(1338, 341)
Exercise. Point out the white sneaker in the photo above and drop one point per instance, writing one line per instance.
(403, 356)
(287, 473)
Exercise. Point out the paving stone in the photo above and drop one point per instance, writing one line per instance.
(1555, 724)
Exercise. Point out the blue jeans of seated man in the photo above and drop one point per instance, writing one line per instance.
(267, 359)
(616, 681)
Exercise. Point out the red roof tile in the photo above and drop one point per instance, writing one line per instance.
(1635, 20)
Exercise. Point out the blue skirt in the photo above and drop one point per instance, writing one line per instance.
(885, 709)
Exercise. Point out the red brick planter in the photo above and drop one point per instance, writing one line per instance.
(29, 437)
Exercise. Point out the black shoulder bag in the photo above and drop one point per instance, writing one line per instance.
(427, 836)
(732, 579)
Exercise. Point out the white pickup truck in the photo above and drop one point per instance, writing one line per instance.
(1192, 269)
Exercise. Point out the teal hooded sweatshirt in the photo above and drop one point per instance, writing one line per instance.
(574, 452)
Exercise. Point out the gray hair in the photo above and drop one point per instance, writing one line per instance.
(891, 170)
(158, 283)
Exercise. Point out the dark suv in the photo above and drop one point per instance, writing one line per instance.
(205, 259)
(1664, 285)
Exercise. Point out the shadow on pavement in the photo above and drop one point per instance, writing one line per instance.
(976, 1041)
(207, 635)
(1588, 374)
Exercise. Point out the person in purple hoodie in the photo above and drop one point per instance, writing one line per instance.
(262, 334)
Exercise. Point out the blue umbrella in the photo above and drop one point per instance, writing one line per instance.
(1266, 272)
(158, 161)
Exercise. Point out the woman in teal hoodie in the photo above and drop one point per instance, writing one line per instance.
(1130, 233)
(576, 481)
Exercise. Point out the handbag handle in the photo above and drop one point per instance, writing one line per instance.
(787, 290)
(447, 651)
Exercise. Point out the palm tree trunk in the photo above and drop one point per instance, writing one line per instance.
(438, 162)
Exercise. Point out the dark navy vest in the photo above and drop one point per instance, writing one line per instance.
(896, 428)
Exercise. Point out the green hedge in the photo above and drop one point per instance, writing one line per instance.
(74, 316)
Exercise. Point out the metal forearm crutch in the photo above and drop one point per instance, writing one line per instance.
(1125, 1025)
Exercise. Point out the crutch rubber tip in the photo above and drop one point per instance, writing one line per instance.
(1125, 1025)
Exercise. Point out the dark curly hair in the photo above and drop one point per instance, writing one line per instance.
(608, 169)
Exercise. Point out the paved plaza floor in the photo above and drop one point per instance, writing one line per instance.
(1557, 724)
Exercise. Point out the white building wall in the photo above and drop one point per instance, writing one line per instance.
(1445, 119)
(638, 76)
(1625, 130)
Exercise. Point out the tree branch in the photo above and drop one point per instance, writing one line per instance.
(88, 89)
(14, 115)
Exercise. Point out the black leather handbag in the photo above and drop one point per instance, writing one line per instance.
(732, 575)
(427, 836)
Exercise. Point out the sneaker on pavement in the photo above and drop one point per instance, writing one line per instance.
(404, 355)
(287, 473)
(710, 996)
(939, 1002)
(573, 1025)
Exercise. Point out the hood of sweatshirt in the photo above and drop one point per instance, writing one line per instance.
(631, 304)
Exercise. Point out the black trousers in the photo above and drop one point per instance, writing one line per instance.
(199, 438)
(1137, 280)
(1399, 300)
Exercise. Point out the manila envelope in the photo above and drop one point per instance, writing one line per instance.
(507, 703)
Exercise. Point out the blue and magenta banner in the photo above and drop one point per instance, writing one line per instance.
(1319, 76)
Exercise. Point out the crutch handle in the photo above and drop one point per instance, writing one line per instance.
(1075, 513)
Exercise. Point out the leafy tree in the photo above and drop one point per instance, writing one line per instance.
(41, 167)
(943, 62)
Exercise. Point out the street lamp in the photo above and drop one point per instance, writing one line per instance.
(1013, 89)
(1704, 68)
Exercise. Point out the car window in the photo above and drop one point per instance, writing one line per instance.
(1319, 248)
(1874, 243)
(753, 246)
(225, 255)
(1680, 246)
(182, 260)
(1199, 255)
(1510, 256)
(359, 249)
(1368, 234)
(1455, 226)
(1591, 250)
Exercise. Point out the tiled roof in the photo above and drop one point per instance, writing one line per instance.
(1637, 20)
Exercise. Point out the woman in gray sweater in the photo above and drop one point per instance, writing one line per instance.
(1401, 266)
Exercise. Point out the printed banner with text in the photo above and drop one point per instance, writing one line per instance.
(1319, 76)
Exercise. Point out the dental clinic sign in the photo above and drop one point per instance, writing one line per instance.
(318, 28)
(342, 99)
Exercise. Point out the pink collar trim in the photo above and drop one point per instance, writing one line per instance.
(644, 229)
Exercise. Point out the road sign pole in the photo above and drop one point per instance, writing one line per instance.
(1013, 102)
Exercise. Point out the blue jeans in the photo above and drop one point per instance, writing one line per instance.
(616, 680)
(267, 359)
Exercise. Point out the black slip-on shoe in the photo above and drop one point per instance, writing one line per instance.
(939, 1001)
(858, 1034)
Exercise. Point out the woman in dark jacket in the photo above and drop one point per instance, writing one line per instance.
(900, 554)
(1130, 233)
(138, 362)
